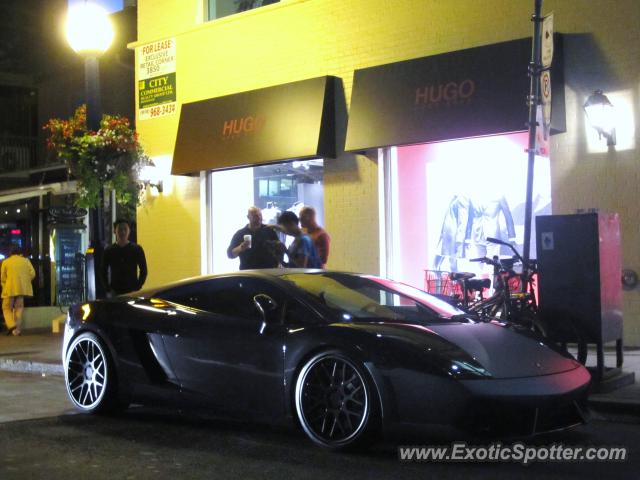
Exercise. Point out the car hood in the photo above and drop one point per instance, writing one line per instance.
(502, 351)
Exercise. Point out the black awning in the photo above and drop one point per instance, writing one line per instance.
(467, 93)
(291, 121)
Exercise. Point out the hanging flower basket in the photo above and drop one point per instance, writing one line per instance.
(110, 158)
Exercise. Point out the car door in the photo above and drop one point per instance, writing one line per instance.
(225, 354)
(140, 326)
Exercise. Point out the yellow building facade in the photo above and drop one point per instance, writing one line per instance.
(301, 39)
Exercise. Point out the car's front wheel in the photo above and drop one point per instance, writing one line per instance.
(336, 401)
(90, 375)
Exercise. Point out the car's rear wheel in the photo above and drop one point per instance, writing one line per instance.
(89, 375)
(336, 402)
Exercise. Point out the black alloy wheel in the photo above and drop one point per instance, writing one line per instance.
(89, 375)
(335, 401)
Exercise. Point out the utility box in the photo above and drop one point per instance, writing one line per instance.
(579, 264)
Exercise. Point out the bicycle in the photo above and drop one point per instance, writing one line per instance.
(469, 287)
(505, 303)
(514, 300)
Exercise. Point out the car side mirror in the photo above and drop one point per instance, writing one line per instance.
(265, 305)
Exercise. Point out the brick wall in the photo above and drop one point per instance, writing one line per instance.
(298, 39)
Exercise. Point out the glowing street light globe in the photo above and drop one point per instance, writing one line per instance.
(88, 28)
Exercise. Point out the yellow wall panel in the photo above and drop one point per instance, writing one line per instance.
(169, 231)
(298, 39)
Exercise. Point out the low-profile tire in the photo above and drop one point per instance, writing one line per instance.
(90, 375)
(336, 402)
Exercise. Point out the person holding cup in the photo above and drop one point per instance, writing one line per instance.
(255, 243)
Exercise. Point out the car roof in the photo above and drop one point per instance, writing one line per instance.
(259, 273)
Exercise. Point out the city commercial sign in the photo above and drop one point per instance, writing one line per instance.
(291, 121)
(467, 93)
(156, 79)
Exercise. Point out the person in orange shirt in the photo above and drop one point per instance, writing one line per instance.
(16, 276)
(320, 237)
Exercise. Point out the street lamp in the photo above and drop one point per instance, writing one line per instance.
(90, 33)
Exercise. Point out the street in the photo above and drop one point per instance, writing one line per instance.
(54, 443)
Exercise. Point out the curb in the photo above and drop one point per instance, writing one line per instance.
(25, 366)
(623, 406)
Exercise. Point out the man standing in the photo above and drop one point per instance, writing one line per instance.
(16, 276)
(320, 237)
(302, 253)
(122, 261)
(255, 243)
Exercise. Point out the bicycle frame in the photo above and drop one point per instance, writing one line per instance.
(496, 304)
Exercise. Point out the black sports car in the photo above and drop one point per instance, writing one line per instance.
(344, 354)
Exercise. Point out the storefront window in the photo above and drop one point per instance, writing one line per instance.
(10, 234)
(446, 198)
(224, 8)
(273, 188)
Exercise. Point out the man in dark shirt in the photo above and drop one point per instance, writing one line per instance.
(255, 243)
(121, 261)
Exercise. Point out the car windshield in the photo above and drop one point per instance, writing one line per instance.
(354, 297)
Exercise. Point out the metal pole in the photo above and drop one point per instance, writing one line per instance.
(92, 91)
(533, 100)
(94, 114)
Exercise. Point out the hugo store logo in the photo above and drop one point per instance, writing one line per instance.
(447, 94)
(248, 125)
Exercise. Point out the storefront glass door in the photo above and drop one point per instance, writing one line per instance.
(273, 188)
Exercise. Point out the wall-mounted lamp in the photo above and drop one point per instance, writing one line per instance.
(150, 176)
(601, 114)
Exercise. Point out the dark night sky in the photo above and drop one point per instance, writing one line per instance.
(30, 34)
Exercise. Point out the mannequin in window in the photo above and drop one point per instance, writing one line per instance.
(456, 231)
(488, 212)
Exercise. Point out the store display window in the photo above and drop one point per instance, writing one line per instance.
(448, 197)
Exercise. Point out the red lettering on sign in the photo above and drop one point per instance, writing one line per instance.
(241, 126)
(154, 47)
(451, 93)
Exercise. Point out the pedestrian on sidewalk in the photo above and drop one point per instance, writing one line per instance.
(124, 265)
(319, 235)
(16, 276)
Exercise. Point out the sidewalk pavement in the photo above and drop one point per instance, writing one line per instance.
(35, 351)
(39, 352)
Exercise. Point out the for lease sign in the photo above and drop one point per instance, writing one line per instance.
(156, 79)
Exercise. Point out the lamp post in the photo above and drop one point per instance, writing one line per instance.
(90, 33)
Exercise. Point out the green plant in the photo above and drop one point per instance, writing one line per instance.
(110, 158)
